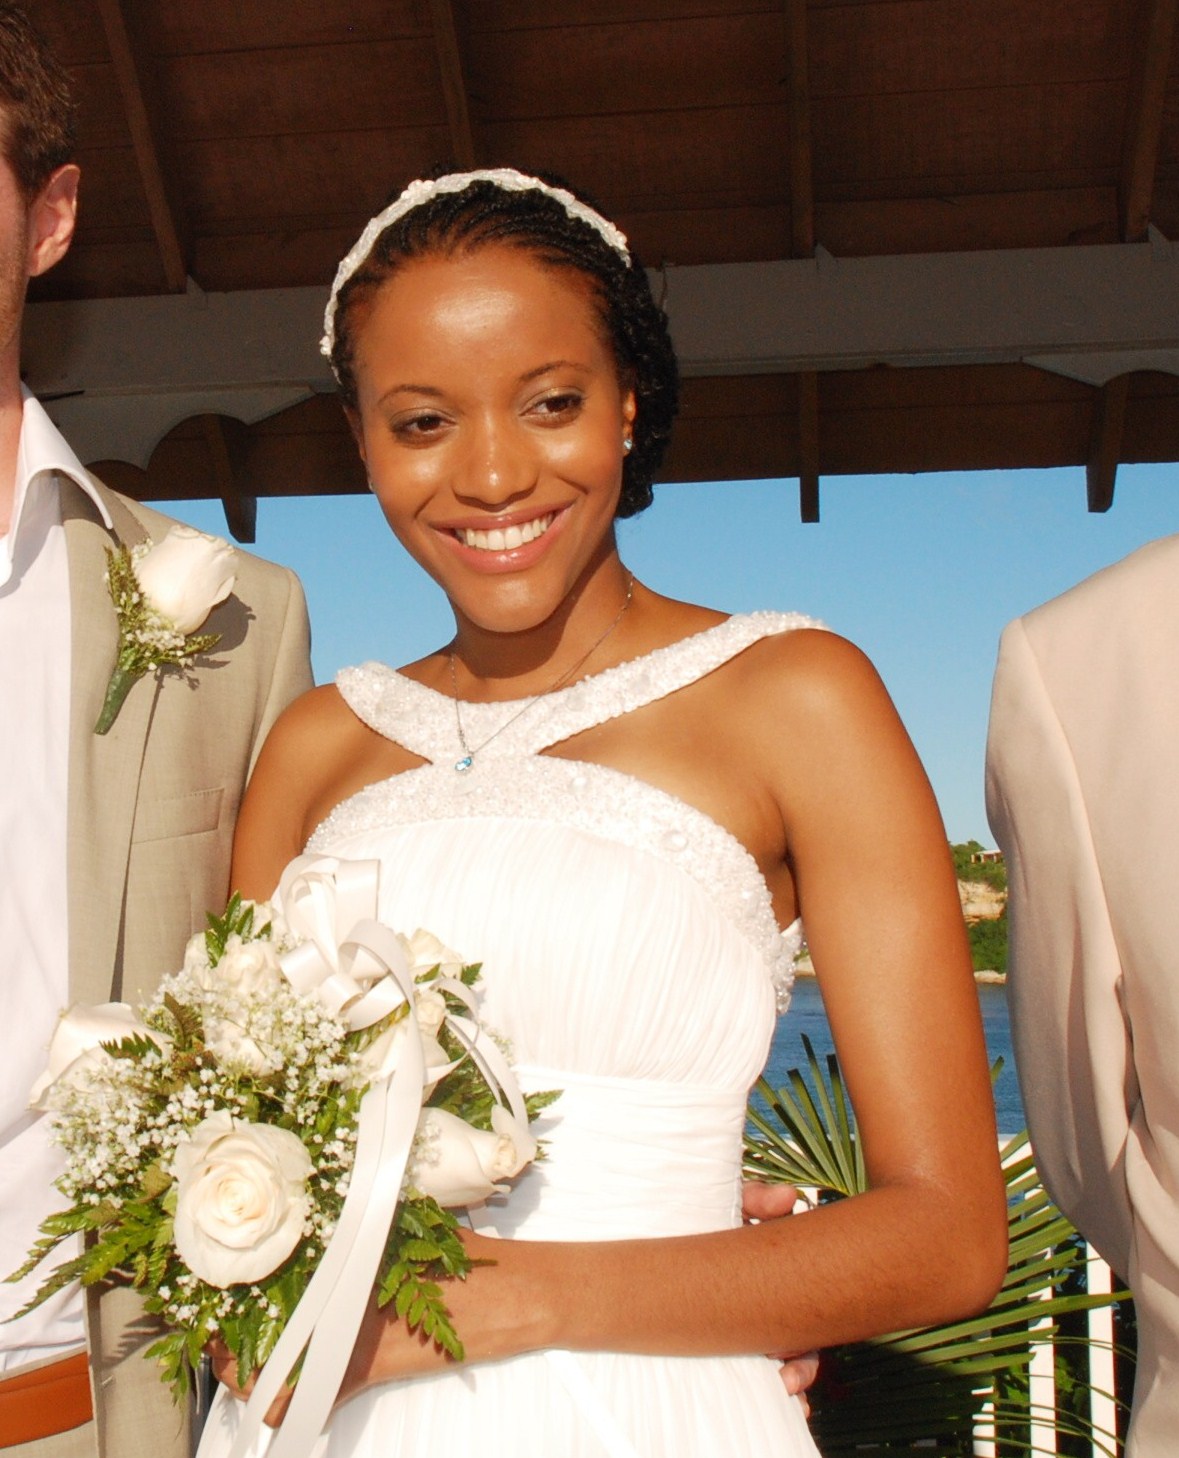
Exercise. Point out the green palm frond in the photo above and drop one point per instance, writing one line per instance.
(934, 1385)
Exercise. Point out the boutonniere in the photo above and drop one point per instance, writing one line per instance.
(162, 593)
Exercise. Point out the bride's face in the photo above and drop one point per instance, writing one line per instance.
(491, 419)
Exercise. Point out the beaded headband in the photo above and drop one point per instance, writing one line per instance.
(423, 190)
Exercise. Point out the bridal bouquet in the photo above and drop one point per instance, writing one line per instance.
(288, 1122)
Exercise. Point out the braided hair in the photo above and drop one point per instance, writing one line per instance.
(483, 214)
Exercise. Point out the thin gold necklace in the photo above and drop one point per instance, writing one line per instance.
(467, 760)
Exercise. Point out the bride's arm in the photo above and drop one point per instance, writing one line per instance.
(315, 755)
(927, 1242)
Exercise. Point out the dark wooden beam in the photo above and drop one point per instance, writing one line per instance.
(454, 85)
(1105, 445)
(226, 440)
(1141, 137)
(802, 239)
(808, 446)
(798, 86)
(1144, 116)
(135, 77)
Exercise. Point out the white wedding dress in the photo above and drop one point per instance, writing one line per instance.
(631, 956)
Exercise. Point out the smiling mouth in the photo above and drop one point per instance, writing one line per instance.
(506, 539)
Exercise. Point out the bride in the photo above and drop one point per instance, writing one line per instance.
(615, 801)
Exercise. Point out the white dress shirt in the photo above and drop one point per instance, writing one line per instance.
(34, 941)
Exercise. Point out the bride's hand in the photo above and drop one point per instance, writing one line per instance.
(761, 1201)
(485, 1310)
(225, 1371)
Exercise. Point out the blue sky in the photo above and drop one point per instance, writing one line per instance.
(921, 571)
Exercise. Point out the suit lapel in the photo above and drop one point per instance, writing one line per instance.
(104, 770)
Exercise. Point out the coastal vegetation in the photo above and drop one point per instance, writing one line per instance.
(982, 884)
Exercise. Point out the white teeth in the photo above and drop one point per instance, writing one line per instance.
(506, 539)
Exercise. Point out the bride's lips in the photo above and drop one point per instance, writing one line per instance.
(506, 543)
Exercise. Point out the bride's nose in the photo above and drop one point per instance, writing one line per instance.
(498, 465)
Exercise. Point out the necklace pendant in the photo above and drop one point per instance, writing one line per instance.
(461, 766)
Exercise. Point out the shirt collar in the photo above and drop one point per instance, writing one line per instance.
(44, 448)
(42, 451)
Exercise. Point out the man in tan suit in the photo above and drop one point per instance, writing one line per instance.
(1083, 798)
(112, 847)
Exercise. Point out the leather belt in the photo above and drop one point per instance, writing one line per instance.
(45, 1401)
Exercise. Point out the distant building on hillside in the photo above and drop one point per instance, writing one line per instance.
(986, 858)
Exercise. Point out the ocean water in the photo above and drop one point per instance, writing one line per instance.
(806, 1016)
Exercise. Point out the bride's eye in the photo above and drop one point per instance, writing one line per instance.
(425, 425)
(559, 407)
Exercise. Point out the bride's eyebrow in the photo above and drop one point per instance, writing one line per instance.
(553, 364)
(431, 390)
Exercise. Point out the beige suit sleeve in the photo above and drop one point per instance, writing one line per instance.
(1072, 1044)
(291, 674)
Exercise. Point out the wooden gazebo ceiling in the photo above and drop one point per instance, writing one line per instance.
(243, 146)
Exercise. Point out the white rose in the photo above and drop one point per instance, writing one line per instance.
(426, 952)
(196, 955)
(234, 1048)
(383, 1054)
(75, 1051)
(280, 934)
(185, 575)
(241, 1199)
(458, 1164)
(430, 1007)
(247, 969)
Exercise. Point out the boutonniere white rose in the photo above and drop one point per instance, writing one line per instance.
(162, 593)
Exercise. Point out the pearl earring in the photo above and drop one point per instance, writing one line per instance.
(627, 443)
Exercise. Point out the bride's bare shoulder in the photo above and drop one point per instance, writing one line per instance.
(305, 767)
(814, 691)
(320, 711)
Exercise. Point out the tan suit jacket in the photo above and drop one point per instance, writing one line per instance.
(151, 813)
(1083, 797)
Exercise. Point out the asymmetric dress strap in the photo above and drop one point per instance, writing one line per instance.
(424, 721)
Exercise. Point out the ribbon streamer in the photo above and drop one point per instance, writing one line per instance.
(358, 967)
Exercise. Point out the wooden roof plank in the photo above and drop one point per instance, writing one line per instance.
(454, 85)
(526, 15)
(710, 60)
(967, 46)
(280, 179)
(221, 26)
(213, 98)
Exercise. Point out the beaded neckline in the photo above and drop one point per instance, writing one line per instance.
(599, 798)
(421, 718)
